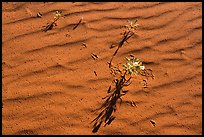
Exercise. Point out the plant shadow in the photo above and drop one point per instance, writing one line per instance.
(126, 36)
(109, 106)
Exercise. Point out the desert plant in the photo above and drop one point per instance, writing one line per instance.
(126, 35)
(122, 75)
(132, 26)
(49, 26)
(131, 68)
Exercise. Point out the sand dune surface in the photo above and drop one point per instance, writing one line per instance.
(52, 85)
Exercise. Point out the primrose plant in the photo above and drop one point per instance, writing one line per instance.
(49, 26)
(133, 66)
(58, 14)
(132, 26)
(122, 77)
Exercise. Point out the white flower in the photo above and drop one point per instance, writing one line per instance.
(135, 63)
(142, 67)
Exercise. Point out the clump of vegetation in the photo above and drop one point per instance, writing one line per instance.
(122, 77)
(131, 28)
(131, 69)
(49, 26)
(122, 74)
(133, 66)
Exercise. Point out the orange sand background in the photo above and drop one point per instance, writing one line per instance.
(48, 80)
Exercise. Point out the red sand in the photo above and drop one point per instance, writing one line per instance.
(49, 85)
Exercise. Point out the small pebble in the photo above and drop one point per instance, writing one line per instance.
(182, 52)
(153, 123)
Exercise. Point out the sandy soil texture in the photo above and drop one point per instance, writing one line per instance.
(52, 85)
